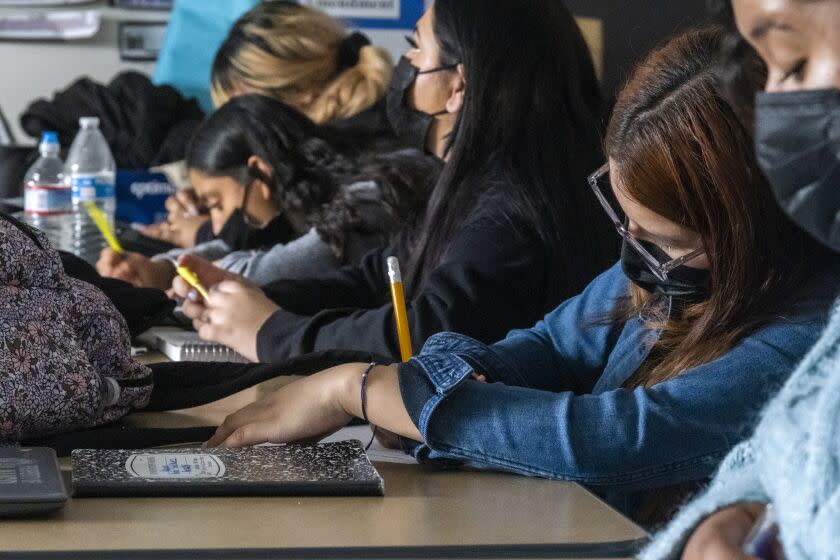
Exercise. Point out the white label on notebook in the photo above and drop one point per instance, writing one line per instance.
(174, 465)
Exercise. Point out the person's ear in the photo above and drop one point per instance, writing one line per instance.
(256, 162)
(261, 173)
(459, 90)
(265, 192)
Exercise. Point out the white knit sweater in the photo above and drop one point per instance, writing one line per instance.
(792, 461)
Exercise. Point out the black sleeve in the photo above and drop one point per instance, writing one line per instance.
(492, 280)
(362, 286)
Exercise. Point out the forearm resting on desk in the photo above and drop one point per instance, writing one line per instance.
(385, 407)
(317, 406)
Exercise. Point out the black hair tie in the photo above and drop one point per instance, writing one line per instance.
(348, 51)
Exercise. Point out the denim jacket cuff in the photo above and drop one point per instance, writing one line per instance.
(480, 357)
(417, 392)
(443, 372)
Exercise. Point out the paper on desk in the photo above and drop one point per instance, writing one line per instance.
(376, 453)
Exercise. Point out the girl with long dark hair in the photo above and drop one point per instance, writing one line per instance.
(509, 229)
(306, 201)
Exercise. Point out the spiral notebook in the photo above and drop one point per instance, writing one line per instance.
(328, 469)
(185, 346)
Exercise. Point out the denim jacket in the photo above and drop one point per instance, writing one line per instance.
(554, 404)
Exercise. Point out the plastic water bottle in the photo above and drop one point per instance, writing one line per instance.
(90, 172)
(46, 198)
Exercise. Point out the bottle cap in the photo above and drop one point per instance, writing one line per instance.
(89, 122)
(49, 138)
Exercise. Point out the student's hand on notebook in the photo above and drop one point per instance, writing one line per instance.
(721, 536)
(233, 315)
(308, 409)
(135, 269)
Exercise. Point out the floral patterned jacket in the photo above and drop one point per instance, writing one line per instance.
(65, 354)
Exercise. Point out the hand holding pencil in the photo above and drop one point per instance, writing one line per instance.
(204, 272)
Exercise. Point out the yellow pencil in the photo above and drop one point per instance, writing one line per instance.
(191, 279)
(98, 218)
(400, 313)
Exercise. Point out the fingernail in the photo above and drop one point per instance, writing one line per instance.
(192, 295)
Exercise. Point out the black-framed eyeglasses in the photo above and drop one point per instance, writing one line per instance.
(603, 189)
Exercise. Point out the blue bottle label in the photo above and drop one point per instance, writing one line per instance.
(85, 189)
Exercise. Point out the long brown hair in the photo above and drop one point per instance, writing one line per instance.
(681, 151)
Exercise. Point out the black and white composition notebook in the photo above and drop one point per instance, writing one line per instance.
(329, 469)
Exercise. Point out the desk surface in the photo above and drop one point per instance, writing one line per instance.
(425, 512)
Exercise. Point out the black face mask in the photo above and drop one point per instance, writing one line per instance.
(797, 142)
(684, 282)
(239, 235)
(410, 125)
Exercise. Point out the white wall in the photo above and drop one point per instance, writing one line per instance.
(35, 70)
(38, 69)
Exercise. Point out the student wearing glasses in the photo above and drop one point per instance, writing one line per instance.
(638, 386)
(790, 464)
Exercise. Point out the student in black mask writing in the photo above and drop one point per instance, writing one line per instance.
(508, 230)
(289, 190)
(638, 386)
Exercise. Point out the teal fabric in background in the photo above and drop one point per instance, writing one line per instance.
(196, 30)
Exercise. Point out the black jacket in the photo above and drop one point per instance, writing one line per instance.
(496, 276)
(144, 124)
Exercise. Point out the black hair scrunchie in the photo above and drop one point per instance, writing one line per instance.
(348, 51)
